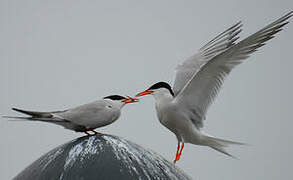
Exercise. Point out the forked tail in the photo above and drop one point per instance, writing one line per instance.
(34, 116)
(220, 144)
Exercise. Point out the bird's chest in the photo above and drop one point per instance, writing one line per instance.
(169, 116)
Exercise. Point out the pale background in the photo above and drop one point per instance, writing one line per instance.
(62, 53)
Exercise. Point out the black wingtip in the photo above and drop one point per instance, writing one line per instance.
(16, 109)
(290, 13)
(20, 110)
(287, 16)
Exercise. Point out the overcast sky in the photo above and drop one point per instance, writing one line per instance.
(62, 53)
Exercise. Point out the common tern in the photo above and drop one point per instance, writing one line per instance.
(198, 80)
(83, 118)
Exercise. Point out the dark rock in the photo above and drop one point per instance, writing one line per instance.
(101, 157)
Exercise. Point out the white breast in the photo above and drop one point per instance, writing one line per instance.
(176, 121)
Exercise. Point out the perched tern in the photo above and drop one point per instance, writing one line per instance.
(83, 118)
(198, 80)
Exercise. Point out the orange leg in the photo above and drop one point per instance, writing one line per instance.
(87, 133)
(177, 152)
(179, 155)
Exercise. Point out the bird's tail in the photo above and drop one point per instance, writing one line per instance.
(34, 115)
(220, 144)
(18, 118)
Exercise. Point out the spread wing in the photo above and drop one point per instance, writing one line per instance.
(219, 44)
(198, 94)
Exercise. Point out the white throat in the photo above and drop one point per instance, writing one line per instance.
(162, 95)
(116, 104)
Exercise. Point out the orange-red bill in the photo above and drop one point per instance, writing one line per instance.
(143, 93)
(130, 100)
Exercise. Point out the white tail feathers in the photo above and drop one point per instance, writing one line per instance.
(220, 144)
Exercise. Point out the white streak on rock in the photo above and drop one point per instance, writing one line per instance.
(130, 153)
(81, 151)
(73, 155)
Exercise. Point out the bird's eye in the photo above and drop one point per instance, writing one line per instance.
(109, 106)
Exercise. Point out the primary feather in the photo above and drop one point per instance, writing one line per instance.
(202, 88)
(219, 44)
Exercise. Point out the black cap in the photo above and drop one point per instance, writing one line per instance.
(115, 97)
(162, 85)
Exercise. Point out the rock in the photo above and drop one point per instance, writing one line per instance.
(101, 157)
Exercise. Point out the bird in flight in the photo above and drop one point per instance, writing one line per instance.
(83, 118)
(183, 108)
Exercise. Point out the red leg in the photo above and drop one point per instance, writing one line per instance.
(178, 146)
(96, 132)
(87, 133)
(179, 155)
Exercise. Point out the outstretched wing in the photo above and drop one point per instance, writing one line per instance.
(219, 44)
(202, 88)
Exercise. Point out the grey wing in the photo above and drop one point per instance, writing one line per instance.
(219, 44)
(200, 91)
(92, 115)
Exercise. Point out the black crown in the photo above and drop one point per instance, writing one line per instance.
(162, 85)
(115, 97)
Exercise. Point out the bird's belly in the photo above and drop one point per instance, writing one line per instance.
(171, 122)
(181, 126)
(104, 122)
(99, 120)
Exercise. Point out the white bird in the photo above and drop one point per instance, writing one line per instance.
(83, 118)
(198, 81)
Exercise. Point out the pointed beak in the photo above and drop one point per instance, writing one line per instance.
(130, 100)
(143, 93)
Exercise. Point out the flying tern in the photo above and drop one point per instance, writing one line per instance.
(83, 118)
(198, 80)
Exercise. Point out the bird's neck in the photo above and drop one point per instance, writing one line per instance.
(117, 105)
(163, 97)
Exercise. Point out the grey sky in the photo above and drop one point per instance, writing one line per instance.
(60, 53)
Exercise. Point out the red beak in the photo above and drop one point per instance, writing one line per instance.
(130, 100)
(143, 93)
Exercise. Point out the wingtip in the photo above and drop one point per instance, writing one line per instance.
(290, 13)
(240, 23)
(237, 25)
(286, 16)
(15, 109)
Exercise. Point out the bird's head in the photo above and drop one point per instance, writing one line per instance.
(122, 100)
(158, 90)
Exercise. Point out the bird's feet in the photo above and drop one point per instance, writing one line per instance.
(178, 153)
(96, 132)
(92, 130)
